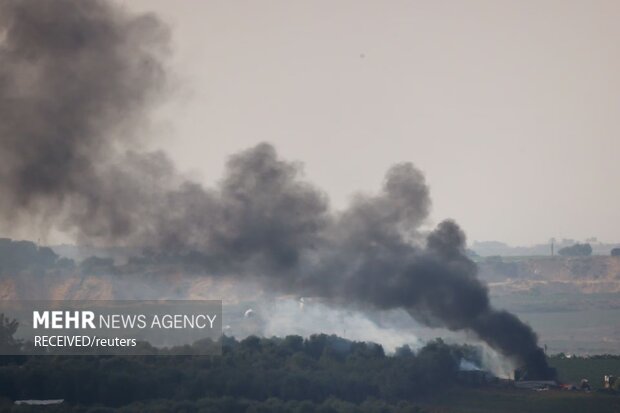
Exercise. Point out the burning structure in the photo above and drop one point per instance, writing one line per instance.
(75, 80)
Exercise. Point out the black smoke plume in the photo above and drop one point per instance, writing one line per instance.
(76, 77)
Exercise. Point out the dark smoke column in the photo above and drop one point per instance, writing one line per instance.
(375, 254)
(76, 77)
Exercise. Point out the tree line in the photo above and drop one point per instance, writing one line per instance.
(314, 374)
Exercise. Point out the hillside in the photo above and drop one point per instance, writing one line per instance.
(596, 274)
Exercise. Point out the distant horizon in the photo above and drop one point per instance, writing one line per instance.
(470, 243)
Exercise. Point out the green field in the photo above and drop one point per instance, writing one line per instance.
(509, 400)
(569, 322)
(506, 400)
(574, 369)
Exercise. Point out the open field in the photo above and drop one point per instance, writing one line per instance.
(489, 400)
(456, 400)
(509, 400)
(569, 322)
(574, 369)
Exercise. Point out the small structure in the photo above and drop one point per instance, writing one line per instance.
(39, 402)
(522, 381)
(470, 374)
(609, 381)
(473, 377)
(535, 384)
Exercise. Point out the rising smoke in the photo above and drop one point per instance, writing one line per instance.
(76, 78)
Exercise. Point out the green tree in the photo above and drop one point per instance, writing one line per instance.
(8, 328)
(577, 250)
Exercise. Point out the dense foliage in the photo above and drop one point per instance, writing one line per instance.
(26, 256)
(315, 370)
(577, 250)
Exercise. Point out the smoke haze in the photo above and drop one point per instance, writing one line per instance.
(75, 80)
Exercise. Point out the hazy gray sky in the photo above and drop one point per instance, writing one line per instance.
(511, 108)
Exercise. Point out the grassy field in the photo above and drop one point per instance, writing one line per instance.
(574, 369)
(511, 400)
(507, 400)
